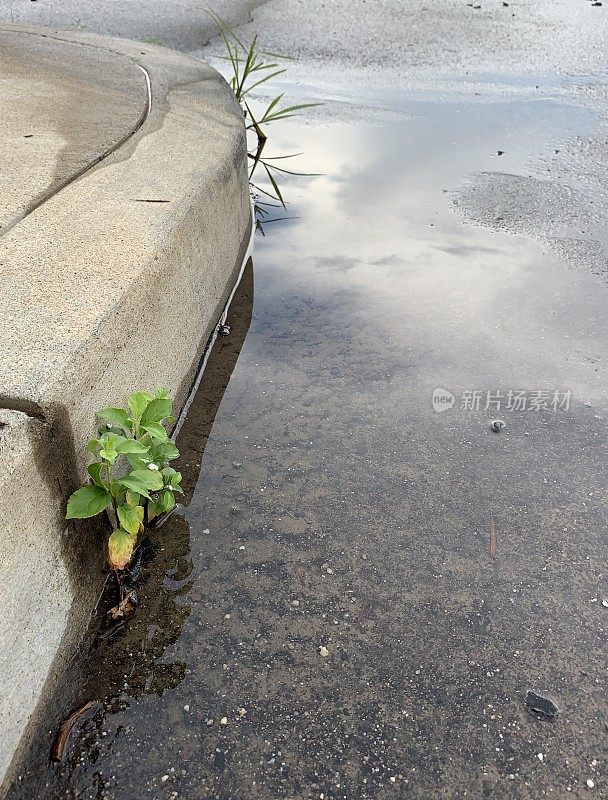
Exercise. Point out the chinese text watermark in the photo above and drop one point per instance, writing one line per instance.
(509, 400)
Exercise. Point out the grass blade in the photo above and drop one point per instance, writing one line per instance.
(275, 186)
(262, 80)
(289, 111)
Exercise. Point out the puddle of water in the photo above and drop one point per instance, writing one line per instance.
(332, 507)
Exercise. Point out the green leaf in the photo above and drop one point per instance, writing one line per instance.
(143, 481)
(151, 478)
(117, 417)
(167, 501)
(154, 509)
(138, 403)
(132, 498)
(116, 489)
(166, 451)
(130, 518)
(131, 446)
(156, 431)
(283, 113)
(275, 185)
(94, 471)
(87, 502)
(157, 410)
(135, 486)
(172, 479)
(162, 394)
(109, 455)
(120, 549)
(252, 86)
(92, 445)
(138, 461)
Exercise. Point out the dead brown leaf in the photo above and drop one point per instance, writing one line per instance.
(125, 608)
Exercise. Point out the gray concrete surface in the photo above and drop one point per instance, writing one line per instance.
(47, 591)
(182, 24)
(114, 273)
(77, 110)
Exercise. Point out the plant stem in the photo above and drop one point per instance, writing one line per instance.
(109, 486)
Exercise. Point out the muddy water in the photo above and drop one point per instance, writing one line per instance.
(361, 589)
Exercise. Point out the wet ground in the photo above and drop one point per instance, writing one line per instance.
(362, 587)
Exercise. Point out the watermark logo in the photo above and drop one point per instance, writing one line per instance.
(442, 399)
(510, 400)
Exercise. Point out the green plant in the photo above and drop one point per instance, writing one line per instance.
(251, 68)
(131, 478)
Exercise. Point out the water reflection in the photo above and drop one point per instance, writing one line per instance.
(348, 623)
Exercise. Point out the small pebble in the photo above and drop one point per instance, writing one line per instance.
(605, 602)
(186, 708)
(224, 721)
(295, 603)
(165, 778)
(540, 756)
(392, 779)
(323, 651)
(590, 783)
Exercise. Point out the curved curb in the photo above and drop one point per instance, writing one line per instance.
(114, 280)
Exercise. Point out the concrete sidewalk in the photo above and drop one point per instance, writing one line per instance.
(125, 217)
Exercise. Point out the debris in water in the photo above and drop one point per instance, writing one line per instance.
(66, 728)
(125, 608)
(540, 706)
(362, 613)
(492, 538)
(497, 425)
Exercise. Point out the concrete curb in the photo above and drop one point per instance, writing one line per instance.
(115, 274)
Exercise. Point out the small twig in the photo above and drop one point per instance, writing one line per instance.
(493, 542)
(66, 728)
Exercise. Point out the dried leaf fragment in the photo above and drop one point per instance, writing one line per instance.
(492, 538)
